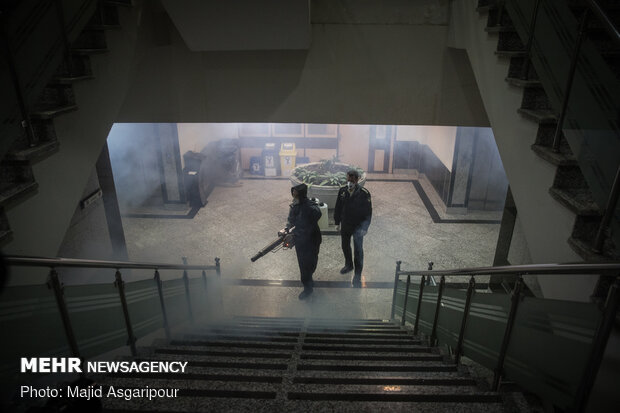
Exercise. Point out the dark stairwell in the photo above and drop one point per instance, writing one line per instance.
(46, 49)
(519, 39)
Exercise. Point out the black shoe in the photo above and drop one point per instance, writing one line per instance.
(357, 281)
(346, 269)
(305, 294)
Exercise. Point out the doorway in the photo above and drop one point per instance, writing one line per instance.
(379, 146)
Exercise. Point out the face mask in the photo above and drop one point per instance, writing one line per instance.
(350, 184)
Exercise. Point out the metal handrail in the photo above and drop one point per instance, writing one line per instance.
(603, 329)
(538, 269)
(56, 285)
(25, 261)
(608, 25)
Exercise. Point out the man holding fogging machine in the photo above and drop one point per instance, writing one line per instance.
(304, 215)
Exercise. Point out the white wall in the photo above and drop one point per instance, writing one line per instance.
(440, 139)
(352, 73)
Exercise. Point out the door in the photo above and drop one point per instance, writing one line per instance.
(379, 148)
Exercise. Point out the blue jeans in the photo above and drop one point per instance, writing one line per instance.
(355, 260)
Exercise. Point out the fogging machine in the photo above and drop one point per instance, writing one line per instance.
(285, 240)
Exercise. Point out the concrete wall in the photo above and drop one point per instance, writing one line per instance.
(356, 71)
(546, 224)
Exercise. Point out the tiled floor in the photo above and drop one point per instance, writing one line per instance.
(238, 221)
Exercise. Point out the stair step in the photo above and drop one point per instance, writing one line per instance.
(184, 351)
(396, 334)
(246, 338)
(247, 378)
(38, 151)
(366, 341)
(120, 3)
(396, 397)
(515, 81)
(68, 80)
(584, 249)
(485, 8)
(83, 52)
(538, 115)
(233, 344)
(366, 349)
(103, 27)
(371, 357)
(382, 388)
(249, 331)
(348, 406)
(372, 331)
(52, 113)
(17, 190)
(578, 200)
(378, 367)
(498, 29)
(382, 335)
(556, 158)
(393, 381)
(510, 53)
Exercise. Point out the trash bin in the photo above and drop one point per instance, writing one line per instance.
(287, 158)
(255, 166)
(323, 221)
(271, 162)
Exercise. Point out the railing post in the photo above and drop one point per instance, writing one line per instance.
(501, 8)
(459, 344)
(569, 82)
(19, 91)
(396, 276)
(612, 202)
(404, 317)
(54, 283)
(65, 37)
(430, 277)
(417, 316)
(218, 271)
(131, 338)
(530, 40)
(190, 313)
(163, 305)
(442, 284)
(204, 280)
(516, 298)
(601, 337)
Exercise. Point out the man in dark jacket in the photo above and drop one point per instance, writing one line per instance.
(352, 214)
(304, 215)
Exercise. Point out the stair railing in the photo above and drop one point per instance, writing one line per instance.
(9, 55)
(510, 333)
(600, 173)
(32, 62)
(54, 283)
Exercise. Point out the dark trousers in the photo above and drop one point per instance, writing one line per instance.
(357, 261)
(307, 258)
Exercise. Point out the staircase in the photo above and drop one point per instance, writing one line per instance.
(294, 364)
(41, 83)
(570, 188)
